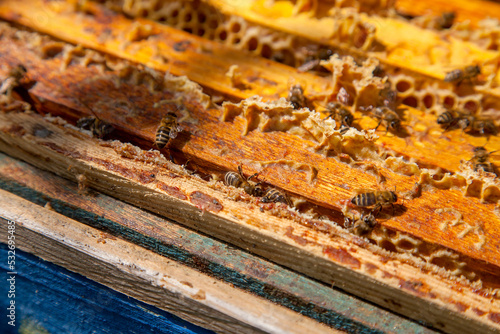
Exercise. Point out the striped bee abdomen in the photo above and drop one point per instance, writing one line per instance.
(445, 118)
(365, 199)
(275, 196)
(166, 130)
(233, 179)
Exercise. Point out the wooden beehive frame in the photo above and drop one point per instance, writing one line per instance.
(288, 240)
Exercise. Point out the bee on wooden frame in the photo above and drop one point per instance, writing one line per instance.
(296, 97)
(362, 225)
(445, 21)
(276, 196)
(481, 160)
(375, 198)
(340, 114)
(98, 127)
(314, 58)
(167, 130)
(387, 116)
(484, 127)
(459, 75)
(388, 98)
(238, 180)
(452, 118)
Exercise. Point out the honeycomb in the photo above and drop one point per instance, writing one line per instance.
(205, 21)
(301, 122)
(403, 243)
(431, 98)
(281, 116)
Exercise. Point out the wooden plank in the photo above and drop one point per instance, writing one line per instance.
(211, 257)
(145, 275)
(347, 260)
(415, 221)
(206, 140)
(51, 299)
(428, 144)
(105, 31)
(473, 11)
(396, 51)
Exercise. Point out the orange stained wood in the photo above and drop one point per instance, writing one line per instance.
(428, 144)
(160, 47)
(221, 146)
(412, 55)
(465, 10)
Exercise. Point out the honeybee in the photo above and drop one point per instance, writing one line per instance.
(98, 127)
(362, 225)
(296, 97)
(459, 75)
(378, 71)
(276, 196)
(481, 159)
(238, 180)
(314, 58)
(167, 130)
(375, 198)
(445, 21)
(387, 116)
(481, 126)
(388, 98)
(340, 114)
(452, 118)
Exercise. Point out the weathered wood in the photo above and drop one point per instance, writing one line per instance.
(105, 31)
(318, 249)
(343, 258)
(211, 143)
(145, 275)
(52, 299)
(211, 257)
(428, 144)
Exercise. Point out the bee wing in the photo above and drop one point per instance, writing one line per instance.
(309, 65)
(173, 132)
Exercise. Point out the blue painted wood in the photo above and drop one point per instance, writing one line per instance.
(52, 299)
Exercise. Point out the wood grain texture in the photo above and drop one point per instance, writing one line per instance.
(105, 31)
(51, 299)
(216, 259)
(212, 143)
(145, 275)
(427, 144)
(310, 246)
(410, 56)
(399, 285)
